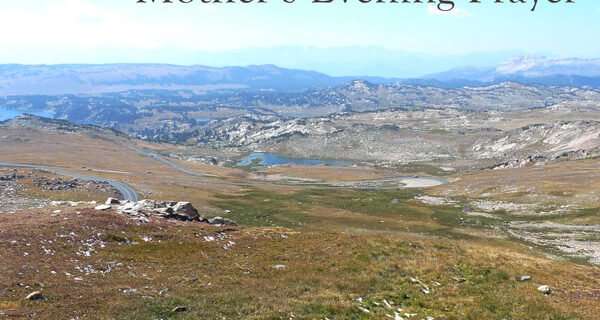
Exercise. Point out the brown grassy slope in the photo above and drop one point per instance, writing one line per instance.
(58, 148)
(73, 150)
(234, 275)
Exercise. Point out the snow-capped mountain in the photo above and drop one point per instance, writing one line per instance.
(529, 70)
(538, 66)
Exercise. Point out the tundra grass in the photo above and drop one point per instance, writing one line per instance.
(271, 273)
(382, 211)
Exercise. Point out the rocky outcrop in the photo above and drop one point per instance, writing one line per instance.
(537, 142)
(183, 211)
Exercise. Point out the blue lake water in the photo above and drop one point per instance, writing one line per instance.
(6, 114)
(267, 159)
(201, 120)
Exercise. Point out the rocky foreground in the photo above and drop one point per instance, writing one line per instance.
(83, 263)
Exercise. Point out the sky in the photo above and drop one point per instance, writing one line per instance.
(108, 31)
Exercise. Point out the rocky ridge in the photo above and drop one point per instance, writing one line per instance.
(542, 143)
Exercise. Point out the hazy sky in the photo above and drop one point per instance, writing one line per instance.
(55, 31)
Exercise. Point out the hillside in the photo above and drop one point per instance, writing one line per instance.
(104, 265)
(308, 242)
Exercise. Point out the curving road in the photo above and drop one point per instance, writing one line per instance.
(130, 194)
(127, 192)
(169, 163)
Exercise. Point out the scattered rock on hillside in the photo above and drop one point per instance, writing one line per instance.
(56, 184)
(11, 177)
(60, 184)
(11, 197)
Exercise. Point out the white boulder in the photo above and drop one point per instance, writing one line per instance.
(545, 290)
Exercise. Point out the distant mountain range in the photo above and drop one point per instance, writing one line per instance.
(92, 79)
(334, 61)
(575, 72)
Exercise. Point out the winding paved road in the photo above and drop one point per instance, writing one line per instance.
(169, 163)
(130, 194)
(127, 192)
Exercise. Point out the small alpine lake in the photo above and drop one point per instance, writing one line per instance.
(261, 160)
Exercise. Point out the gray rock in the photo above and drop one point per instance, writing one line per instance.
(220, 221)
(171, 203)
(59, 203)
(525, 278)
(164, 211)
(545, 290)
(185, 209)
(180, 309)
(149, 204)
(130, 291)
(70, 203)
(111, 201)
(127, 208)
(35, 296)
